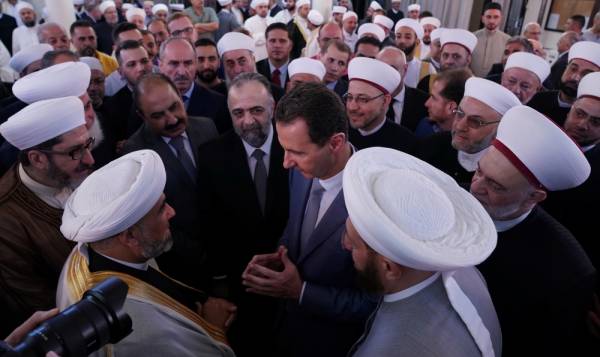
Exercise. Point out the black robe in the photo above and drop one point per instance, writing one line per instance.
(438, 151)
(547, 104)
(540, 281)
(413, 109)
(297, 39)
(390, 135)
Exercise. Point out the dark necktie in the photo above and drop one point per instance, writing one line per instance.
(186, 101)
(276, 77)
(311, 214)
(182, 155)
(260, 178)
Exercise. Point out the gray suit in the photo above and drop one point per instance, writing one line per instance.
(184, 262)
(227, 23)
(426, 324)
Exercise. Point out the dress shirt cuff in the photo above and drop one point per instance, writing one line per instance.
(301, 293)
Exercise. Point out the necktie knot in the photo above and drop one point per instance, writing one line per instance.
(183, 156)
(275, 77)
(177, 142)
(258, 154)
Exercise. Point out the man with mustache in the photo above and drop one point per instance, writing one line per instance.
(584, 58)
(26, 34)
(54, 157)
(208, 66)
(84, 39)
(408, 37)
(243, 197)
(169, 131)
(178, 62)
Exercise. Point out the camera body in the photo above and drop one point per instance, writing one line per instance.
(84, 327)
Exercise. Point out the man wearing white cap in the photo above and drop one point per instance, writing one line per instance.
(120, 219)
(513, 45)
(204, 18)
(91, 12)
(298, 27)
(414, 10)
(417, 243)
(584, 58)
(337, 14)
(104, 29)
(575, 208)
(26, 34)
(29, 59)
(524, 74)
(374, 8)
(349, 24)
(287, 14)
(456, 52)
(257, 25)
(370, 88)
(408, 38)
(429, 24)
(244, 200)
(538, 276)
(315, 20)
(305, 70)
(490, 40)
(394, 12)
(323, 312)
(387, 25)
(227, 21)
(54, 157)
(435, 51)
(54, 35)
(476, 120)
(136, 16)
(160, 11)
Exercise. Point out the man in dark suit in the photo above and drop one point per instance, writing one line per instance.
(178, 62)
(7, 25)
(279, 45)
(335, 56)
(395, 13)
(408, 105)
(176, 138)
(243, 197)
(323, 311)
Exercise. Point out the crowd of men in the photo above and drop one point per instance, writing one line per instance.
(269, 181)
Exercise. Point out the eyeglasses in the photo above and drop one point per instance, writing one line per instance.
(254, 111)
(360, 99)
(472, 123)
(177, 33)
(75, 154)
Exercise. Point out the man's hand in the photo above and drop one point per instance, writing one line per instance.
(261, 279)
(218, 312)
(37, 318)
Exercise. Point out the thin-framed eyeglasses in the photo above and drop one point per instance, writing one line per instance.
(254, 111)
(360, 99)
(75, 154)
(473, 123)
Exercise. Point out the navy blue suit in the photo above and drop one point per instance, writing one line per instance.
(333, 311)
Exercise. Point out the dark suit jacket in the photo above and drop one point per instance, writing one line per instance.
(238, 230)
(556, 71)
(297, 39)
(333, 311)
(7, 26)
(497, 68)
(413, 110)
(437, 150)
(391, 135)
(120, 110)
(395, 17)
(185, 261)
(104, 34)
(341, 87)
(274, 10)
(263, 68)
(547, 104)
(210, 104)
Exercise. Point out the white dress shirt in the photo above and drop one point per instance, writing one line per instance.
(398, 105)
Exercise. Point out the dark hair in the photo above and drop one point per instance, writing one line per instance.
(527, 46)
(321, 109)
(79, 23)
(157, 20)
(126, 45)
(425, 14)
(120, 28)
(580, 19)
(339, 45)
(492, 6)
(277, 26)
(454, 83)
(46, 145)
(369, 41)
(178, 15)
(205, 42)
(49, 57)
(148, 79)
(246, 77)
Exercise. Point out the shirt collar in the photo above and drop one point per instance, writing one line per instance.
(333, 182)
(188, 93)
(469, 161)
(376, 129)
(266, 146)
(400, 96)
(502, 226)
(408, 292)
(562, 103)
(168, 139)
(588, 148)
(282, 69)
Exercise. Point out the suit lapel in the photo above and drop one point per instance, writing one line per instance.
(299, 192)
(170, 161)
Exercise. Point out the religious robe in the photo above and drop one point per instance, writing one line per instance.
(390, 135)
(24, 37)
(257, 26)
(437, 150)
(489, 50)
(548, 104)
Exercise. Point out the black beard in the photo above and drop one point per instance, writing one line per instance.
(87, 52)
(367, 280)
(568, 90)
(29, 23)
(207, 76)
(407, 51)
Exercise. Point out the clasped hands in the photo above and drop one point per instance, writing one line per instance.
(273, 275)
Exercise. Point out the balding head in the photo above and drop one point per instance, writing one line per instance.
(329, 31)
(54, 35)
(396, 58)
(533, 31)
(566, 40)
(178, 62)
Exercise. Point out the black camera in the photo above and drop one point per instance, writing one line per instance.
(84, 327)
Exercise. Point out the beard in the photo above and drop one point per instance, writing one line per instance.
(152, 249)
(62, 178)
(174, 126)
(29, 23)
(88, 51)
(569, 88)
(254, 134)
(408, 50)
(207, 75)
(368, 280)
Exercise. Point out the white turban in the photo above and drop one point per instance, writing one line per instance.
(339, 10)
(105, 5)
(159, 7)
(92, 62)
(586, 50)
(42, 121)
(459, 37)
(126, 6)
(133, 12)
(225, 2)
(436, 34)
(28, 55)
(430, 20)
(530, 62)
(491, 94)
(315, 17)
(589, 86)
(114, 197)
(426, 223)
(23, 5)
(374, 72)
(375, 5)
(308, 66)
(61, 80)
(373, 29)
(255, 3)
(302, 3)
(235, 41)
(412, 24)
(541, 150)
(414, 7)
(384, 21)
(349, 14)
